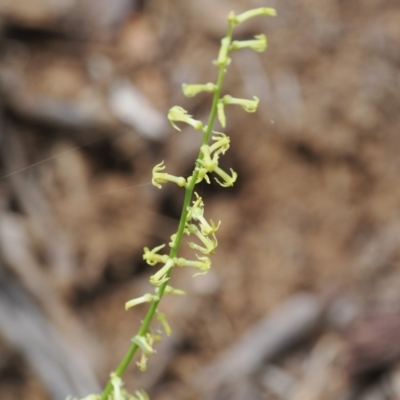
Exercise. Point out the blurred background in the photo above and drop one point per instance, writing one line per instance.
(303, 301)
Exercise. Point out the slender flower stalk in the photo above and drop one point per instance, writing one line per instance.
(192, 220)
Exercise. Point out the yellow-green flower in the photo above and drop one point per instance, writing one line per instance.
(146, 298)
(142, 363)
(140, 395)
(210, 243)
(223, 60)
(163, 321)
(221, 144)
(177, 114)
(210, 164)
(196, 212)
(238, 19)
(143, 344)
(170, 290)
(203, 264)
(162, 177)
(159, 277)
(259, 44)
(248, 105)
(151, 256)
(221, 113)
(192, 90)
(117, 384)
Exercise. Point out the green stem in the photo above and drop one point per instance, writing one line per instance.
(182, 222)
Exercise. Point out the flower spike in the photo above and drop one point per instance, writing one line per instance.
(193, 220)
(259, 44)
(238, 19)
(248, 105)
(192, 90)
(177, 113)
(162, 177)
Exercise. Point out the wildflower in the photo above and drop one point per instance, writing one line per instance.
(259, 44)
(228, 180)
(192, 90)
(210, 164)
(209, 244)
(142, 363)
(141, 395)
(171, 290)
(143, 343)
(177, 113)
(162, 177)
(117, 385)
(160, 276)
(147, 298)
(238, 19)
(223, 60)
(221, 143)
(173, 239)
(196, 212)
(248, 105)
(151, 256)
(203, 264)
(163, 321)
(202, 173)
(221, 113)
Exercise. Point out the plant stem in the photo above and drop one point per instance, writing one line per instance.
(182, 222)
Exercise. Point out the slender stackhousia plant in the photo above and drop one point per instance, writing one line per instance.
(192, 221)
